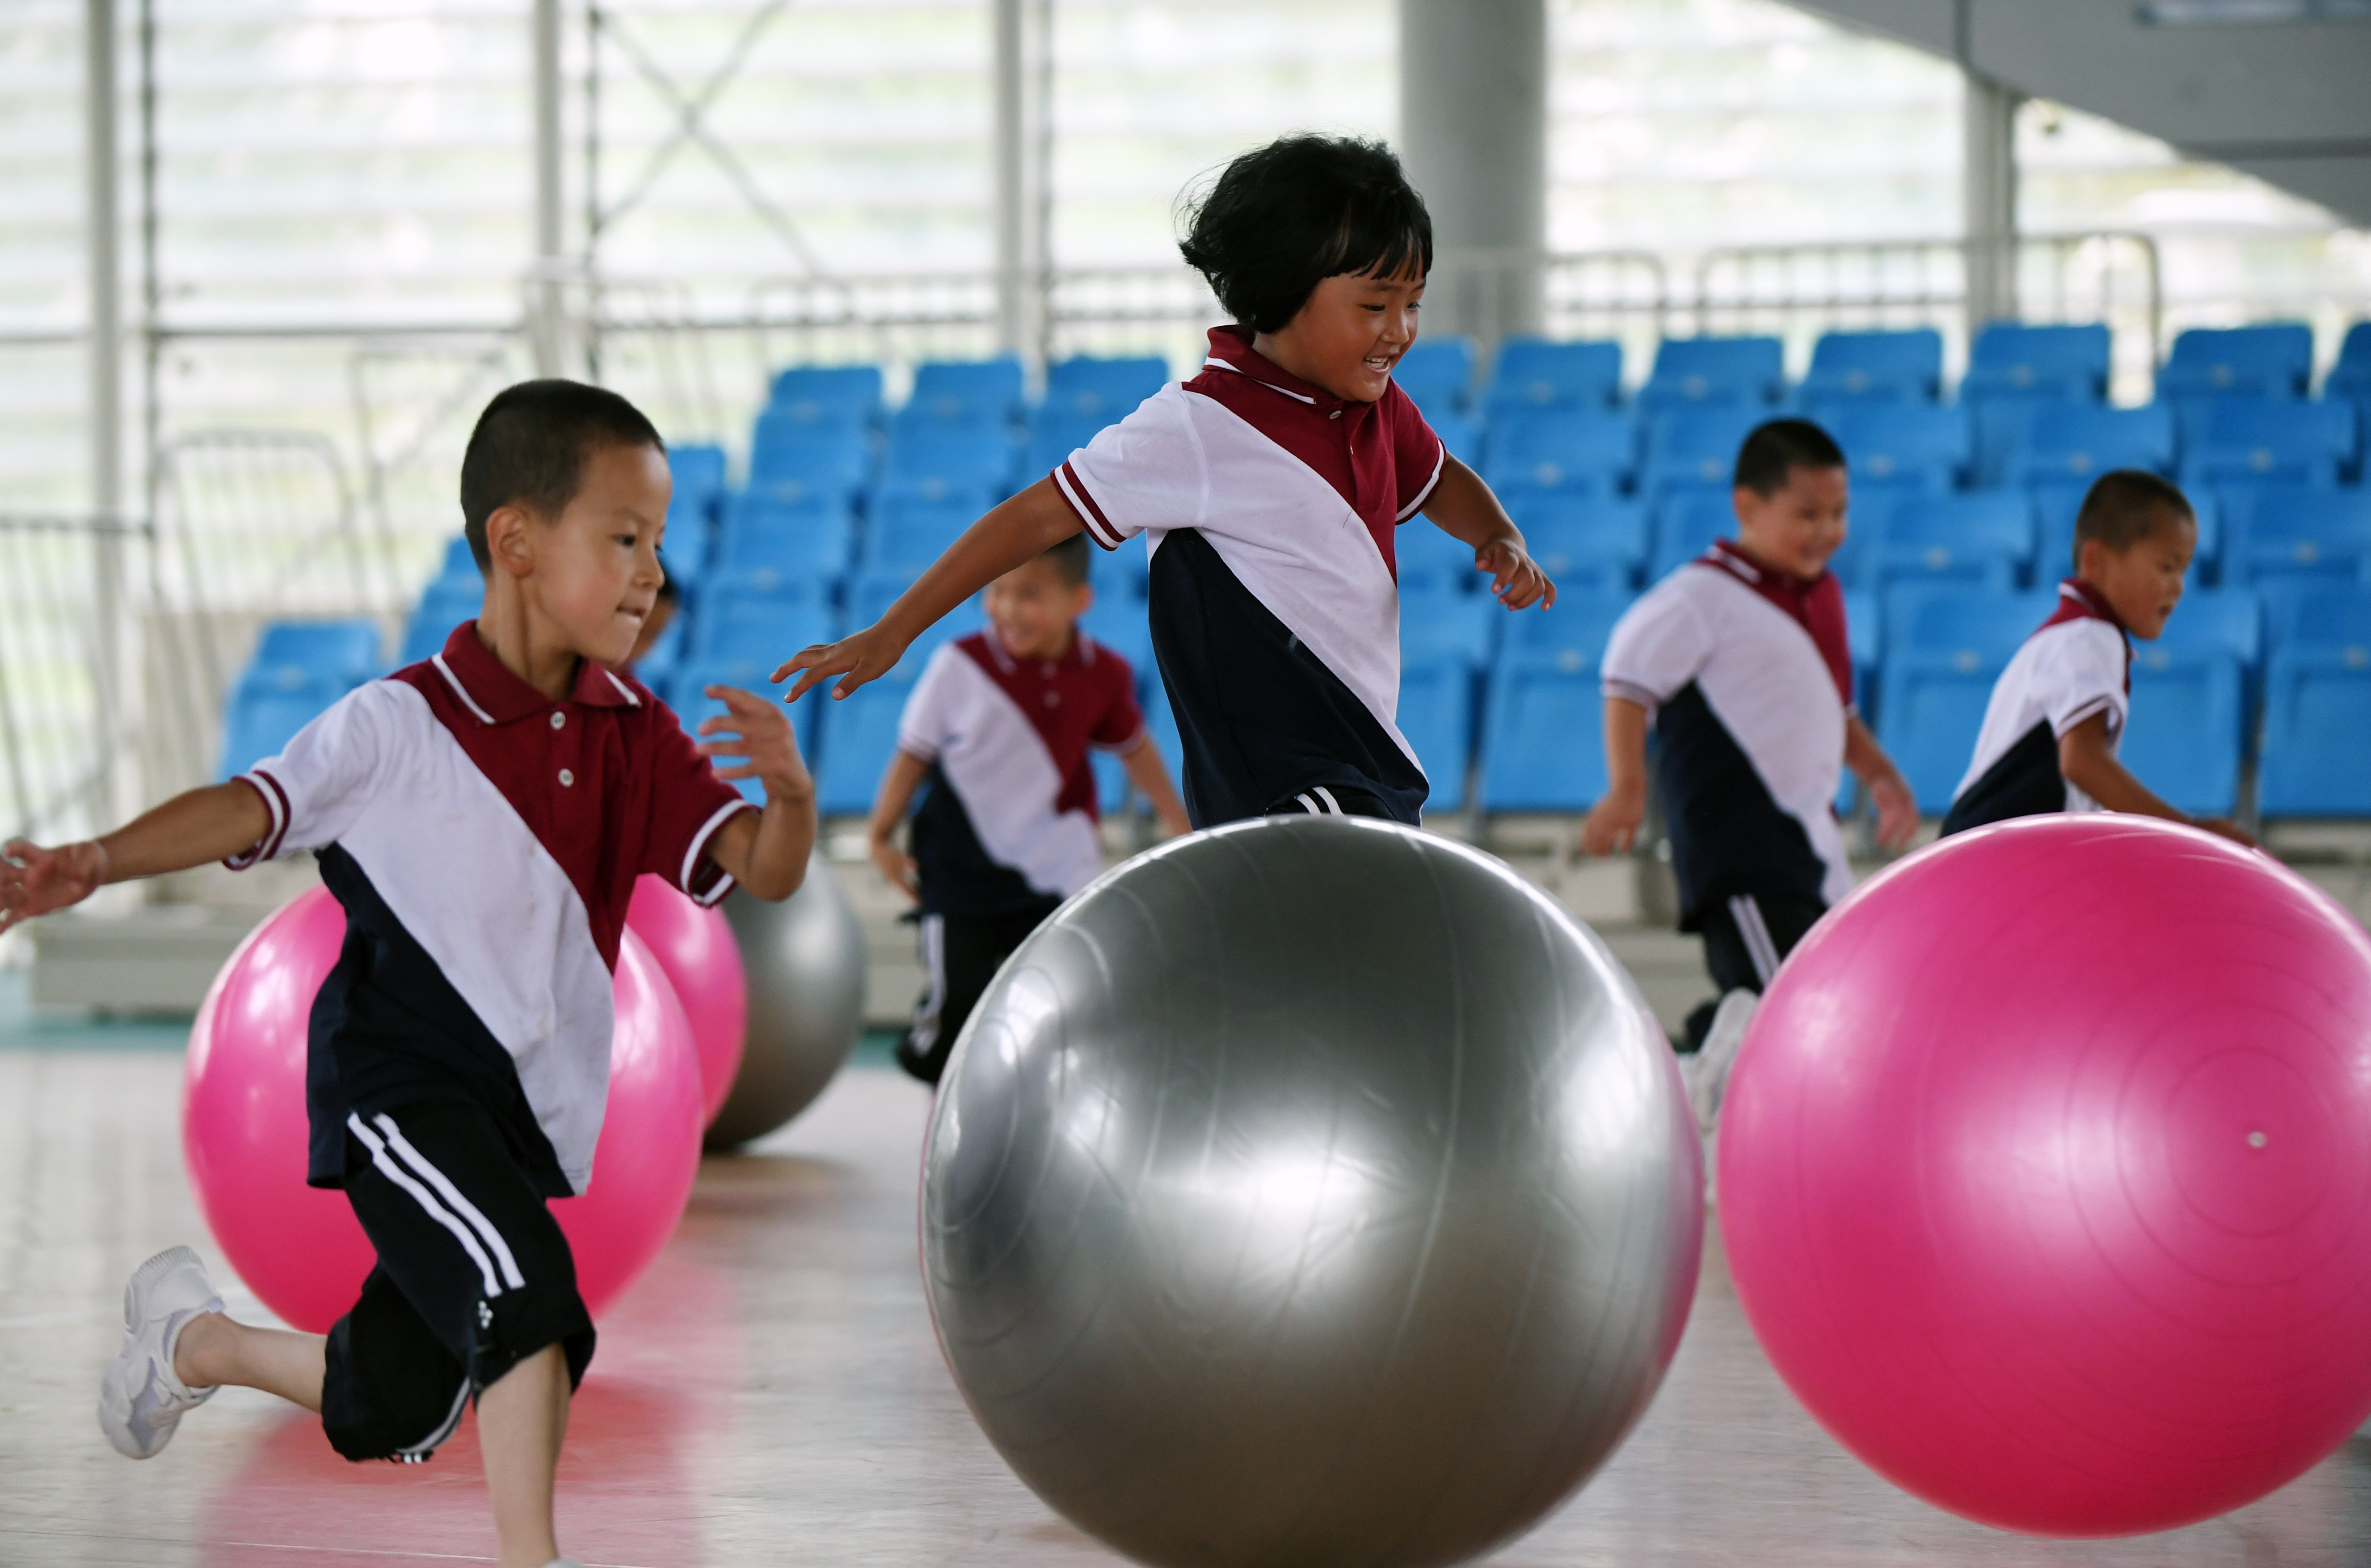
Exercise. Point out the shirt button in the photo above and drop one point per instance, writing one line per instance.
(566, 778)
(558, 719)
(1053, 699)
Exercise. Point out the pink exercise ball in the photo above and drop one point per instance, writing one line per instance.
(695, 946)
(298, 1248)
(2045, 1175)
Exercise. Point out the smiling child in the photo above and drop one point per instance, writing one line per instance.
(1268, 489)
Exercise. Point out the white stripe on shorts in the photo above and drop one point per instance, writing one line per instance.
(403, 1178)
(453, 1200)
(1755, 933)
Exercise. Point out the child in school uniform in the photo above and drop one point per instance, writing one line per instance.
(2057, 712)
(1269, 488)
(995, 740)
(482, 816)
(1738, 661)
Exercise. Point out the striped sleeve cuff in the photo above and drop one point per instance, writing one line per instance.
(275, 805)
(2081, 715)
(1099, 527)
(1630, 694)
(709, 889)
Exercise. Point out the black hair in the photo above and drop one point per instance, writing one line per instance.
(1778, 445)
(1069, 558)
(2124, 506)
(1283, 218)
(530, 446)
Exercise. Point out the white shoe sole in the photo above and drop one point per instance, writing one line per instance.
(135, 1374)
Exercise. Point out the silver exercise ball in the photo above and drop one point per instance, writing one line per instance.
(804, 958)
(1309, 1191)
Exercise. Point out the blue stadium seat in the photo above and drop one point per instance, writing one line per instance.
(1461, 434)
(872, 594)
(2296, 529)
(443, 605)
(766, 542)
(2186, 736)
(2082, 441)
(907, 532)
(2271, 359)
(1124, 572)
(686, 692)
(459, 565)
(796, 462)
(2011, 359)
(1560, 448)
(1986, 537)
(1119, 625)
(2272, 438)
(1748, 372)
(965, 392)
(856, 736)
(1542, 745)
(1437, 623)
(1579, 540)
(827, 394)
(1907, 445)
(1102, 390)
(1053, 437)
(2314, 612)
(1686, 522)
(1438, 374)
(2315, 761)
(698, 471)
(752, 626)
(1163, 722)
(658, 663)
(1962, 622)
(1865, 640)
(1436, 715)
(1694, 446)
(1535, 373)
(2226, 620)
(1424, 557)
(2350, 379)
(939, 461)
(1569, 637)
(1933, 706)
(1877, 367)
(686, 549)
(298, 669)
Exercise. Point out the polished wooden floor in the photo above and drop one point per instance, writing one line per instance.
(770, 1394)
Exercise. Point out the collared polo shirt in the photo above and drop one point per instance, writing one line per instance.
(1009, 816)
(484, 840)
(1269, 507)
(2077, 664)
(1748, 675)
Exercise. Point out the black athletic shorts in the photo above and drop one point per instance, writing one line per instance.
(961, 954)
(1746, 937)
(474, 1275)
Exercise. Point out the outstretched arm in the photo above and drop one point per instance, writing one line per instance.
(1897, 809)
(1014, 532)
(765, 853)
(1612, 823)
(2089, 763)
(1462, 506)
(191, 829)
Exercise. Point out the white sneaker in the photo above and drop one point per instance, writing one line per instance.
(1706, 1072)
(141, 1400)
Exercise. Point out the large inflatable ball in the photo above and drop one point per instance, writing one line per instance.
(300, 1248)
(804, 958)
(696, 948)
(2045, 1175)
(1309, 1191)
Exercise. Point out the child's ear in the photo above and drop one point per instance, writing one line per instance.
(1745, 503)
(507, 541)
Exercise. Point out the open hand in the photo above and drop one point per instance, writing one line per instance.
(755, 729)
(1515, 577)
(1897, 809)
(36, 881)
(1612, 825)
(860, 656)
(898, 869)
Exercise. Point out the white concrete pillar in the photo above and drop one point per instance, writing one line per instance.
(1024, 147)
(104, 255)
(1988, 198)
(1473, 78)
(547, 310)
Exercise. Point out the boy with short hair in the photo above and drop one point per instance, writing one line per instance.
(481, 817)
(995, 736)
(2057, 712)
(1268, 489)
(1739, 661)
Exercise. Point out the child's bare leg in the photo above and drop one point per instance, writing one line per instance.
(213, 1349)
(522, 1416)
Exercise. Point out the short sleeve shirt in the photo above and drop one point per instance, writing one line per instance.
(1010, 739)
(1296, 495)
(2075, 667)
(484, 840)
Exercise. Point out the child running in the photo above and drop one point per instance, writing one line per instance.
(2057, 712)
(1739, 661)
(1268, 489)
(482, 816)
(994, 738)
